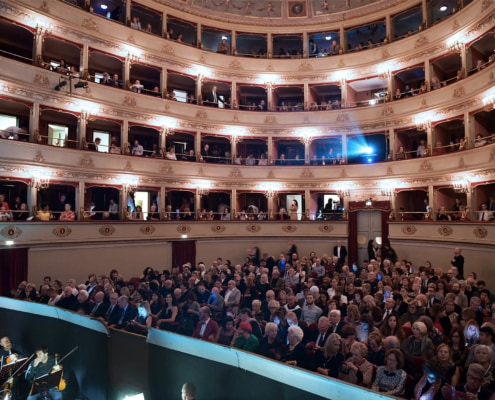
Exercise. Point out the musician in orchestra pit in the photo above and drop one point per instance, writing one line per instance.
(8, 356)
(7, 353)
(43, 364)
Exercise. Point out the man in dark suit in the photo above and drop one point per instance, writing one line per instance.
(99, 308)
(341, 252)
(206, 329)
(112, 314)
(211, 98)
(94, 146)
(336, 324)
(317, 338)
(126, 312)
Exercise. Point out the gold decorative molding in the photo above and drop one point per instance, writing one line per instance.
(492, 155)
(480, 232)
(289, 228)
(270, 175)
(130, 101)
(236, 173)
(459, 92)
(131, 39)
(270, 68)
(461, 163)
(39, 157)
(421, 41)
(423, 104)
(270, 119)
(201, 114)
(253, 228)
(183, 229)
(86, 161)
(445, 230)
(325, 228)
(342, 117)
(486, 4)
(456, 26)
(202, 59)
(128, 166)
(200, 172)
(235, 118)
(387, 111)
(167, 169)
(41, 80)
(390, 171)
(62, 231)
(167, 49)
(106, 230)
(305, 66)
(425, 166)
(409, 229)
(147, 229)
(343, 173)
(236, 65)
(11, 232)
(307, 173)
(89, 24)
(218, 228)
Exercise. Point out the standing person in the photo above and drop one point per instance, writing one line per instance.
(340, 251)
(211, 98)
(113, 209)
(137, 149)
(458, 262)
(293, 209)
(43, 364)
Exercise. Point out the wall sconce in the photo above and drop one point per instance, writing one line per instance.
(423, 125)
(130, 185)
(368, 202)
(268, 86)
(306, 139)
(461, 186)
(270, 193)
(40, 181)
(388, 192)
(343, 192)
(385, 75)
(86, 115)
(133, 58)
(202, 191)
(456, 46)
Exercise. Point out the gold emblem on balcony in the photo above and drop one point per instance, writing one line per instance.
(218, 228)
(289, 228)
(106, 230)
(480, 233)
(409, 230)
(183, 229)
(325, 228)
(445, 230)
(253, 228)
(11, 232)
(147, 229)
(62, 231)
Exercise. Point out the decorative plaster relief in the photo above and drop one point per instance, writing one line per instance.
(44, 7)
(445, 230)
(461, 163)
(41, 80)
(325, 228)
(89, 24)
(307, 173)
(128, 166)
(480, 232)
(183, 229)
(86, 161)
(38, 158)
(425, 166)
(62, 231)
(253, 228)
(167, 49)
(459, 92)
(289, 228)
(218, 228)
(235, 65)
(236, 173)
(130, 101)
(147, 229)
(106, 230)
(11, 232)
(409, 229)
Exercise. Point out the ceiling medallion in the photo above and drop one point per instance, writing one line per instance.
(445, 230)
(11, 232)
(62, 231)
(297, 9)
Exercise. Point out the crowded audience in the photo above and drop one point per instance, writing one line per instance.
(409, 331)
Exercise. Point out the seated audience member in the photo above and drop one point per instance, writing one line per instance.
(44, 214)
(206, 329)
(270, 345)
(295, 353)
(223, 47)
(473, 388)
(226, 332)
(137, 87)
(142, 321)
(356, 369)
(168, 315)
(329, 359)
(391, 378)
(428, 387)
(244, 338)
(126, 313)
(419, 344)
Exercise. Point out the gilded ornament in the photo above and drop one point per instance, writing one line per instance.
(343, 173)
(236, 173)
(86, 161)
(480, 232)
(390, 171)
(445, 230)
(461, 163)
(218, 228)
(486, 4)
(289, 228)
(201, 114)
(325, 228)
(39, 157)
(307, 173)
(106, 230)
(167, 169)
(62, 231)
(253, 228)
(235, 65)
(492, 155)
(167, 49)
(270, 119)
(421, 41)
(456, 26)
(409, 230)
(270, 175)
(11, 232)
(41, 80)
(305, 66)
(128, 166)
(44, 7)
(270, 68)
(459, 92)
(89, 24)
(147, 229)
(183, 229)
(130, 101)
(425, 166)
(131, 39)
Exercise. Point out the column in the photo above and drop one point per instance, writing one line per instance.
(307, 148)
(127, 11)
(81, 130)
(34, 122)
(463, 60)
(432, 201)
(424, 9)
(305, 45)
(199, 85)
(198, 36)
(306, 96)
(233, 204)
(162, 199)
(164, 25)
(269, 91)
(32, 196)
(162, 141)
(389, 28)
(38, 45)
(344, 148)
(84, 62)
(343, 92)
(270, 150)
(124, 137)
(233, 96)
(427, 75)
(343, 40)
(233, 147)
(269, 45)
(233, 43)
(197, 145)
(429, 138)
(79, 199)
(126, 76)
(391, 141)
(469, 128)
(270, 196)
(306, 215)
(163, 80)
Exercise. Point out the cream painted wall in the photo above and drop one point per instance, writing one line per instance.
(78, 261)
(479, 259)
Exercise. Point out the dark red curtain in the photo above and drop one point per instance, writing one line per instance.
(183, 251)
(354, 207)
(13, 269)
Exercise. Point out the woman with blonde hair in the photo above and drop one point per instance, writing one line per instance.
(419, 344)
(330, 357)
(356, 369)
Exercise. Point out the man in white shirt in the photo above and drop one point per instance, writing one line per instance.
(485, 214)
(137, 149)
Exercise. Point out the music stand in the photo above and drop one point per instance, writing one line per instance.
(46, 382)
(7, 369)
